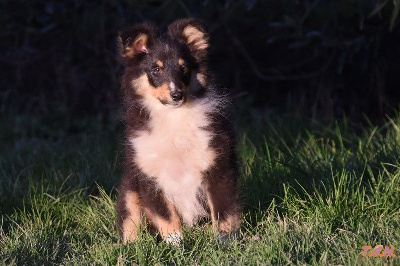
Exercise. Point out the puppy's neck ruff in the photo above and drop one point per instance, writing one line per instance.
(175, 152)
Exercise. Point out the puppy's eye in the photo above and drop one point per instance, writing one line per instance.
(184, 69)
(156, 70)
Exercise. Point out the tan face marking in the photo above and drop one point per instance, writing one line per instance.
(201, 79)
(160, 63)
(162, 93)
(182, 66)
(144, 89)
(154, 94)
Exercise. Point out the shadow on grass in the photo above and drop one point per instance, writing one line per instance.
(56, 162)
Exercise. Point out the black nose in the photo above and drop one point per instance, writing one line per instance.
(177, 95)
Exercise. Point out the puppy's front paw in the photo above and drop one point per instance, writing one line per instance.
(174, 239)
(226, 238)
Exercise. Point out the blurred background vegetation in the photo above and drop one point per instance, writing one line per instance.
(321, 59)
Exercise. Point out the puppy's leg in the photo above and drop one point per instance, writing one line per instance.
(223, 203)
(129, 215)
(167, 222)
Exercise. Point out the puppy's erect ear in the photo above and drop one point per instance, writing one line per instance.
(192, 33)
(136, 40)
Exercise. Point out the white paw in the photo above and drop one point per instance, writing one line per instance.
(174, 239)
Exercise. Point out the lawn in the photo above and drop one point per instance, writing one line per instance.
(312, 193)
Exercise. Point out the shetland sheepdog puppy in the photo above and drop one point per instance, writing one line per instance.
(180, 162)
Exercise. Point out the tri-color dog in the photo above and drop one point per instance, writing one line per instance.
(180, 162)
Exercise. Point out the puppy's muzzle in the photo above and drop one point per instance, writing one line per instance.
(176, 95)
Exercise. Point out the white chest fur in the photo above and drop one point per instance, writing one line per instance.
(175, 152)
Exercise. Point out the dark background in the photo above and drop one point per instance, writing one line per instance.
(321, 59)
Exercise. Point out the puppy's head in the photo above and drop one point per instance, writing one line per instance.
(168, 67)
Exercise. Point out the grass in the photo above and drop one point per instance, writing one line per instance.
(312, 194)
